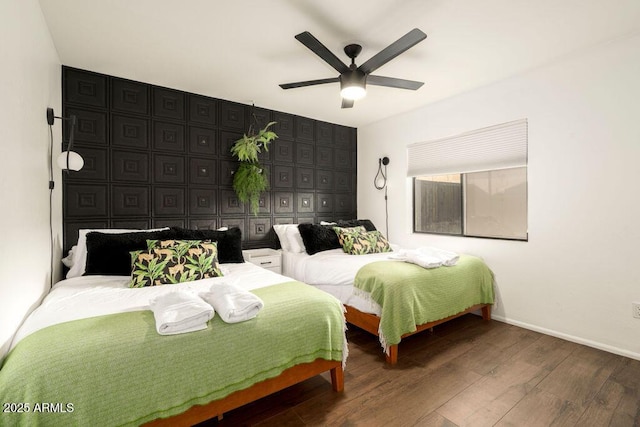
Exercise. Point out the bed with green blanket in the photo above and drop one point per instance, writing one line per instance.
(117, 370)
(413, 298)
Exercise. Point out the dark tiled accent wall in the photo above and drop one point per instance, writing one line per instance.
(160, 157)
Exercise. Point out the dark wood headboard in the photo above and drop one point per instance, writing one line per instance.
(157, 157)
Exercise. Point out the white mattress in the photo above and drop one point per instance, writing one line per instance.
(333, 271)
(90, 296)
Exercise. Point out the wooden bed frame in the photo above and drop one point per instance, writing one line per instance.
(371, 323)
(289, 377)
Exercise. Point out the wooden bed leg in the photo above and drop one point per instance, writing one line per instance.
(486, 312)
(392, 357)
(337, 379)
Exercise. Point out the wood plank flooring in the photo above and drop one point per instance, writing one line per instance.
(466, 373)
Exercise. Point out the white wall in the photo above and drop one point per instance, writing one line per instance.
(29, 83)
(577, 275)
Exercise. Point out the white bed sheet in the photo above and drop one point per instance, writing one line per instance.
(333, 271)
(91, 296)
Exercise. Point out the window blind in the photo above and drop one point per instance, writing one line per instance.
(495, 147)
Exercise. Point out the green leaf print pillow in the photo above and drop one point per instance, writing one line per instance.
(358, 241)
(174, 261)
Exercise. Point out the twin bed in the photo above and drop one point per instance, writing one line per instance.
(453, 291)
(415, 299)
(90, 352)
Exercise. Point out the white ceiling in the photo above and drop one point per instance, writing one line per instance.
(241, 50)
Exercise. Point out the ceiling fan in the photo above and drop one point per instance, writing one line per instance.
(353, 79)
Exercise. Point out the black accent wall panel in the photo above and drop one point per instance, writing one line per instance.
(283, 151)
(168, 201)
(304, 178)
(305, 129)
(203, 110)
(305, 203)
(232, 115)
(203, 141)
(168, 136)
(85, 89)
(130, 202)
(284, 125)
(304, 154)
(324, 133)
(283, 203)
(227, 139)
(95, 164)
(203, 202)
(168, 103)
(129, 132)
(157, 157)
(91, 126)
(130, 97)
(129, 166)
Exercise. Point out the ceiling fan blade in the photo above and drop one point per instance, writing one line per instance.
(347, 103)
(321, 50)
(401, 45)
(393, 82)
(309, 83)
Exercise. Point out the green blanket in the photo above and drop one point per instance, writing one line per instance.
(411, 295)
(117, 370)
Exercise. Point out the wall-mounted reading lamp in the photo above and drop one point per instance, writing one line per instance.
(380, 182)
(67, 160)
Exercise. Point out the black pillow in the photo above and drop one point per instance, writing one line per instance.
(318, 238)
(367, 224)
(108, 254)
(229, 241)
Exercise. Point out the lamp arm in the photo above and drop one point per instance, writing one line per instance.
(70, 146)
(73, 119)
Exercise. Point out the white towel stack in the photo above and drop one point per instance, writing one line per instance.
(233, 303)
(180, 312)
(427, 257)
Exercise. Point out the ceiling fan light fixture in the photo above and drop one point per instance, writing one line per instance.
(353, 93)
(353, 85)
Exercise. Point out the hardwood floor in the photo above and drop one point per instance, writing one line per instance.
(466, 373)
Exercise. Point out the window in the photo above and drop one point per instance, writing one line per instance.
(479, 204)
(474, 184)
(438, 204)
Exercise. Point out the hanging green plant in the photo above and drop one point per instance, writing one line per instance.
(247, 148)
(250, 180)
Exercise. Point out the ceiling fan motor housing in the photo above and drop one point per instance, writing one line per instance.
(353, 78)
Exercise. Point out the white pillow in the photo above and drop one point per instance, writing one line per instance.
(295, 239)
(68, 260)
(79, 261)
(281, 230)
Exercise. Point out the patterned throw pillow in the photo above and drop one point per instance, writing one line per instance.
(361, 242)
(174, 261)
(344, 231)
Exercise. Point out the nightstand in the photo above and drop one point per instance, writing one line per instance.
(270, 259)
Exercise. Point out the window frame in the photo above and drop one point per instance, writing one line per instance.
(463, 212)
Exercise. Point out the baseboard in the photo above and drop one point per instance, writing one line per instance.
(577, 340)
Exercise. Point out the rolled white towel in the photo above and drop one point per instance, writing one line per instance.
(447, 258)
(424, 261)
(233, 303)
(427, 257)
(180, 312)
